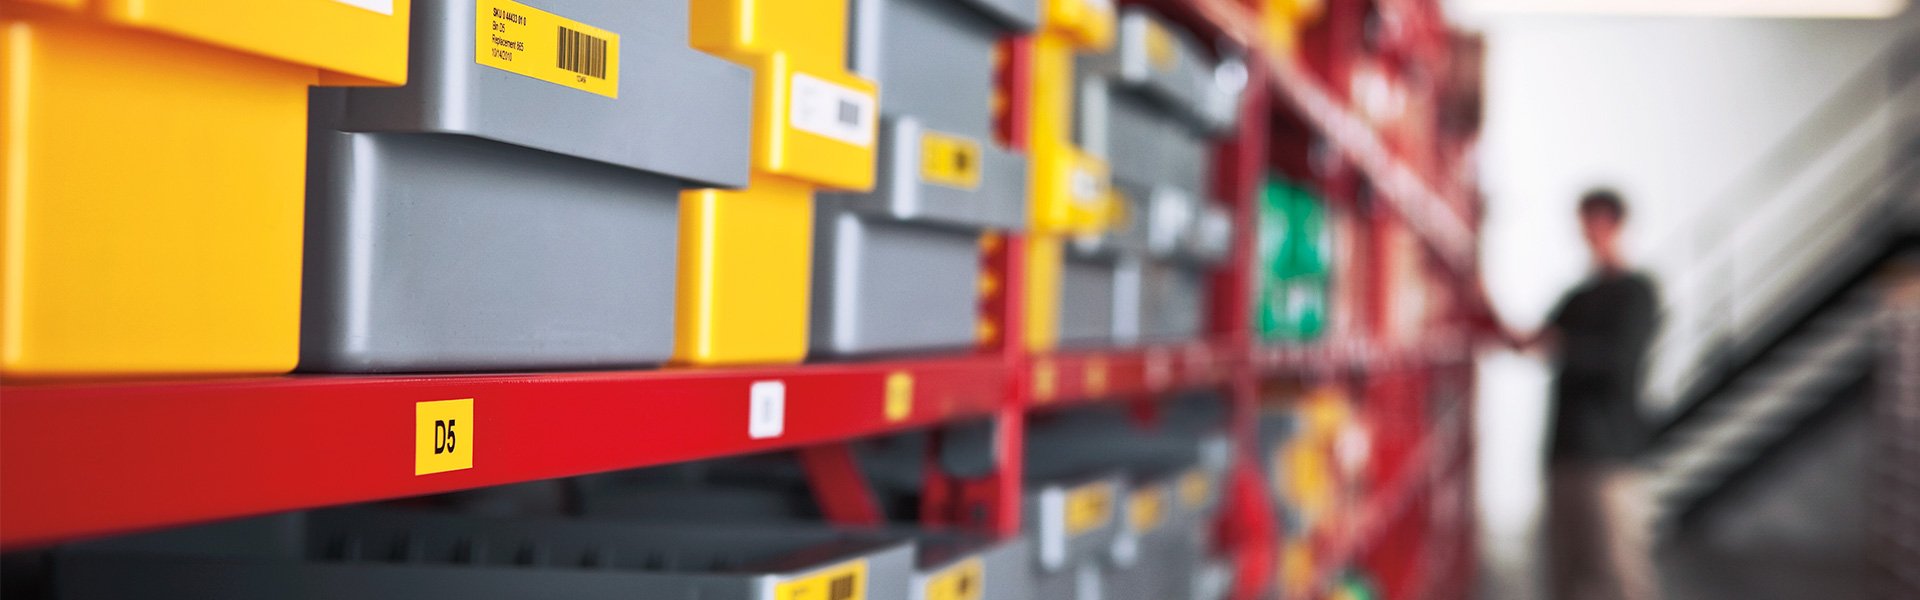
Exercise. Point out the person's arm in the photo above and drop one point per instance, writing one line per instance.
(1487, 323)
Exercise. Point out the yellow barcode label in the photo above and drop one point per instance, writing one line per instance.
(1095, 377)
(964, 581)
(442, 436)
(1195, 488)
(899, 397)
(949, 160)
(843, 582)
(1146, 510)
(1045, 381)
(1088, 507)
(517, 38)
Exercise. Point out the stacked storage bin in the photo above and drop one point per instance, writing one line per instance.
(1152, 107)
(898, 268)
(153, 157)
(1070, 189)
(1160, 546)
(368, 554)
(514, 206)
(745, 256)
(761, 490)
(1294, 271)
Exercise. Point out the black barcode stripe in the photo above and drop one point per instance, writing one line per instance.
(583, 54)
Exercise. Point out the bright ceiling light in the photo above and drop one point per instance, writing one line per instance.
(1841, 9)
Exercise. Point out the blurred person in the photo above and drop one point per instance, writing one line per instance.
(1598, 336)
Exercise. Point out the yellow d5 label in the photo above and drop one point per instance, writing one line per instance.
(963, 581)
(949, 160)
(514, 37)
(442, 436)
(1088, 507)
(843, 582)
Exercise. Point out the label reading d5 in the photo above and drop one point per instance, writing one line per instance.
(443, 436)
(517, 38)
(842, 582)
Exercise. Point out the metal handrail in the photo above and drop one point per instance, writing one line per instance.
(1716, 261)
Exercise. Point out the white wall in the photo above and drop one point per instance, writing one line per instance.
(1672, 111)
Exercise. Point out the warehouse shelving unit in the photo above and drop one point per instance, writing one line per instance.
(90, 458)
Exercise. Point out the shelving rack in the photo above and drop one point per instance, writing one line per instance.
(85, 459)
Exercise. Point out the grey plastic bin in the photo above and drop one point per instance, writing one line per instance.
(378, 555)
(478, 219)
(898, 268)
(1153, 115)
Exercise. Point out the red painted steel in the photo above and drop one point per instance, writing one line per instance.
(87, 459)
(839, 487)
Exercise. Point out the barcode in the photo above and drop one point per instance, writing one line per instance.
(583, 54)
(841, 588)
(849, 112)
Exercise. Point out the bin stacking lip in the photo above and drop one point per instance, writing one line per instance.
(677, 112)
(379, 554)
(514, 207)
(898, 267)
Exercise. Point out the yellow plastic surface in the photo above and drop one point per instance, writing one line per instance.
(1071, 192)
(746, 256)
(152, 176)
(153, 193)
(744, 261)
(358, 45)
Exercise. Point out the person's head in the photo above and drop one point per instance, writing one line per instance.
(1602, 216)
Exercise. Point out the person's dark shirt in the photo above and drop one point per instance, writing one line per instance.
(1604, 327)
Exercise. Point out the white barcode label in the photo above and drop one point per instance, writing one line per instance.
(1102, 5)
(384, 7)
(767, 415)
(824, 108)
(1086, 186)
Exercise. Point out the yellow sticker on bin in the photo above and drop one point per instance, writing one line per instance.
(949, 160)
(842, 582)
(964, 581)
(1146, 510)
(1195, 487)
(517, 38)
(1088, 507)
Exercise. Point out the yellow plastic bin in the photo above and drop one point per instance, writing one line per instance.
(746, 255)
(1071, 193)
(154, 158)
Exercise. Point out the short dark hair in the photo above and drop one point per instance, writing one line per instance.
(1603, 202)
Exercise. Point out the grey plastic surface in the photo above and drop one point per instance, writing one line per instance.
(1004, 571)
(679, 112)
(897, 268)
(1090, 313)
(1044, 518)
(881, 285)
(1185, 80)
(380, 555)
(449, 253)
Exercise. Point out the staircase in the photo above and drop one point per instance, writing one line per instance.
(1778, 302)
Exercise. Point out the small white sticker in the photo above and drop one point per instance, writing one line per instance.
(1102, 5)
(767, 418)
(1085, 186)
(824, 108)
(384, 7)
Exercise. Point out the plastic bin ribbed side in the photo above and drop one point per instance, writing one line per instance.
(484, 219)
(897, 268)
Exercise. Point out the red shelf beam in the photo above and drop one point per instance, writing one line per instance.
(91, 459)
(1074, 378)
